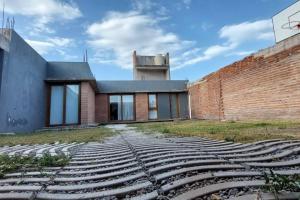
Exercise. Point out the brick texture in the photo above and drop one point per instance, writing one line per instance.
(101, 108)
(265, 85)
(141, 100)
(87, 104)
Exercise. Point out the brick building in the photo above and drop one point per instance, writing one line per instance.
(35, 93)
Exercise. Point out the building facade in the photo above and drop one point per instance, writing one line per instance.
(35, 93)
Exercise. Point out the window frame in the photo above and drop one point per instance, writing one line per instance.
(156, 106)
(121, 95)
(49, 93)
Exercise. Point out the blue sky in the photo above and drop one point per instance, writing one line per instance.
(201, 36)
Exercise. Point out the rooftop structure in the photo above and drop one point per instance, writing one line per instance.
(151, 67)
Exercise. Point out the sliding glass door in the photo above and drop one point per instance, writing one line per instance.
(64, 104)
(121, 107)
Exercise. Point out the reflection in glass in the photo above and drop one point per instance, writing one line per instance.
(56, 106)
(127, 107)
(72, 100)
(115, 107)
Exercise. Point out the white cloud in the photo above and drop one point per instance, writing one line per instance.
(49, 45)
(43, 12)
(121, 33)
(247, 31)
(41, 47)
(235, 36)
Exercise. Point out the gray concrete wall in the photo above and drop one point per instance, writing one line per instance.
(23, 91)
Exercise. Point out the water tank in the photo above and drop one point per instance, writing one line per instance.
(159, 59)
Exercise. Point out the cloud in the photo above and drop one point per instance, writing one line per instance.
(43, 12)
(187, 3)
(121, 33)
(235, 35)
(149, 6)
(49, 45)
(41, 47)
(247, 31)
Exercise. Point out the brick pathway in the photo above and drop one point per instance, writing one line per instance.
(134, 165)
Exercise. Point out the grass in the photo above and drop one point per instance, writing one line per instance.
(235, 131)
(10, 164)
(68, 136)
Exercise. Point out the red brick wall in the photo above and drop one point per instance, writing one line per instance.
(101, 108)
(265, 85)
(141, 104)
(87, 103)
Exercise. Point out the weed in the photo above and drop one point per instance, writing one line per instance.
(229, 138)
(165, 130)
(276, 183)
(12, 163)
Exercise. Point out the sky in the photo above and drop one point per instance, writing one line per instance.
(200, 35)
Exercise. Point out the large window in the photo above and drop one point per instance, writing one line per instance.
(152, 102)
(64, 104)
(121, 107)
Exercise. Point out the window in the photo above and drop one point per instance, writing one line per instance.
(64, 104)
(121, 107)
(152, 102)
(1, 65)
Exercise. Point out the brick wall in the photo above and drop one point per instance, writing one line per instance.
(87, 103)
(265, 85)
(141, 100)
(101, 108)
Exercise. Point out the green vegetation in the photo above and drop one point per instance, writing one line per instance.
(276, 183)
(12, 163)
(68, 136)
(233, 131)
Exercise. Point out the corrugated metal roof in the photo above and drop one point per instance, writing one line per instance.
(69, 71)
(137, 86)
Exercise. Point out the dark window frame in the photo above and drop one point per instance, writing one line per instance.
(121, 95)
(156, 106)
(49, 93)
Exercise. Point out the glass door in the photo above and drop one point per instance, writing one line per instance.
(64, 104)
(121, 107)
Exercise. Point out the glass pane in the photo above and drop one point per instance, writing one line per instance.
(152, 100)
(152, 114)
(56, 107)
(115, 107)
(72, 100)
(127, 103)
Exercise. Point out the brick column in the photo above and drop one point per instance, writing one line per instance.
(87, 104)
(141, 105)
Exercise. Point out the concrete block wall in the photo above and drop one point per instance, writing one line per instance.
(101, 108)
(261, 86)
(87, 102)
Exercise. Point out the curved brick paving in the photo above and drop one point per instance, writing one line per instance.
(133, 165)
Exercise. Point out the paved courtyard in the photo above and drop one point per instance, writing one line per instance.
(134, 165)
